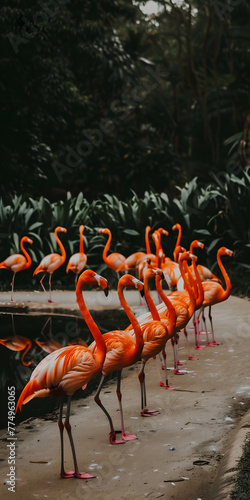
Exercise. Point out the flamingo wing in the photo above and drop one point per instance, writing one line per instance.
(15, 262)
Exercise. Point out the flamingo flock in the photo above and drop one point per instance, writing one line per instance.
(192, 289)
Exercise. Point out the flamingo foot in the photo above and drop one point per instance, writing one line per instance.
(49, 300)
(216, 343)
(199, 347)
(213, 344)
(128, 437)
(113, 440)
(170, 387)
(70, 473)
(180, 364)
(83, 475)
(177, 372)
(193, 358)
(149, 413)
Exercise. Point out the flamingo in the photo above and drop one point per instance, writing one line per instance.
(113, 260)
(18, 343)
(17, 262)
(67, 369)
(51, 262)
(122, 351)
(214, 292)
(156, 332)
(78, 260)
(183, 302)
(178, 227)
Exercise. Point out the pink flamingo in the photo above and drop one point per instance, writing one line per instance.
(67, 369)
(17, 262)
(113, 260)
(122, 351)
(51, 262)
(78, 260)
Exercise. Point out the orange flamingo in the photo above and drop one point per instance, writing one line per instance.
(214, 292)
(156, 332)
(51, 262)
(122, 351)
(78, 260)
(17, 262)
(113, 260)
(18, 343)
(178, 241)
(204, 272)
(67, 369)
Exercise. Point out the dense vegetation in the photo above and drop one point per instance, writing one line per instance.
(217, 214)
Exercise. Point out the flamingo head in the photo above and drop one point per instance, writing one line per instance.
(228, 252)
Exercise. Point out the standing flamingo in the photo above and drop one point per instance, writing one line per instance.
(17, 262)
(67, 369)
(122, 351)
(215, 293)
(113, 260)
(51, 262)
(78, 260)
(156, 332)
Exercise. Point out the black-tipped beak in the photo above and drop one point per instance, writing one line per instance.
(106, 291)
(142, 292)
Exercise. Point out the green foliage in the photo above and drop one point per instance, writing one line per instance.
(217, 214)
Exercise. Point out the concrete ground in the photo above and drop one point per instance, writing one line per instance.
(188, 451)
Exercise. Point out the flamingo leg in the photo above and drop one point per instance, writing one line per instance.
(126, 437)
(198, 347)
(186, 335)
(214, 342)
(43, 287)
(162, 384)
(61, 428)
(209, 344)
(12, 286)
(50, 300)
(177, 363)
(112, 434)
(144, 411)
(67, 426)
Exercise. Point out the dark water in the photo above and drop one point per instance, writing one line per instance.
(26, 339)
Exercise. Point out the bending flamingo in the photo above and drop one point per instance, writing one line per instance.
(67, 369)
(51, 262)
(113, 260)
(78, 260)
(18, 343)
(122, 351)
(17, 262)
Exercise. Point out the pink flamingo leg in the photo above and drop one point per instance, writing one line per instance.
(61, 428)
(144, 411)
(43, 287)
(162, 384)
(126, 437)
(174, 341)
(209, 344)
(112, 434)
(50, 300)
(12, 286)
(198, 347)
(193, 358)
(214, 342)
(76, 473)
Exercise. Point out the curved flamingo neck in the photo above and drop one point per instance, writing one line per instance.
(27, 348)
(104, 253)
(226, 292)
(200, 296)
(28, 263)
(178, 226)
(135, 324)
(100, 344)
(147, 231)
(60, 245)
(188, 287)
(157, 241)
(150, 302)
(81, 249)
(168, 303)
